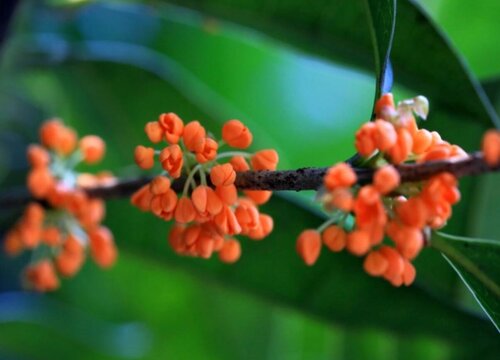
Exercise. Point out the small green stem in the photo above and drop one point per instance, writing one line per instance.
(334, 219)
(74, 160)
(452, 253)
(203, 176)
(190, 179)
(233, 153)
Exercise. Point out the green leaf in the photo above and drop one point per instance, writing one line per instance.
(477, 261)
(382, 21)
(421, 52)
(473, 28)
(30, 311)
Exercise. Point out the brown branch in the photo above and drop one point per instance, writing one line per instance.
(283, 180)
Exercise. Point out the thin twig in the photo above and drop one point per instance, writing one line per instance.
(281, 180)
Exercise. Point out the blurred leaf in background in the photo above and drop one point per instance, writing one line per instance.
(106, 68)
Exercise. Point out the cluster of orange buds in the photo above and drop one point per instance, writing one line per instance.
(63, 221)
(209, 212)
(404, 213)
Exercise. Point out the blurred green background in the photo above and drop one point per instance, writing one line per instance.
(301, 75)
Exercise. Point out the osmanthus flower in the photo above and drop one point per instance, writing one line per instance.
(386, 221)
(60, 231)
(209, 212)
(491, 147)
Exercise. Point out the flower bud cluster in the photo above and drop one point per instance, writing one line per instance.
(390, 219)
(209, 212)
(59, 232)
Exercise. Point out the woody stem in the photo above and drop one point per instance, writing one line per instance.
(290, 180)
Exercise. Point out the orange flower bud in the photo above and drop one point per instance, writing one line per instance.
(265, 160)
(208, 152)
(266, 224)
(451, 194)
(395, 267)
(50, 133)
(386, 179)
(409, 273)
(400, 151)
(206, 201)
(409, 242)
(239, 163)
(92, 148)
(184, 211)
(159, 185)
(73, 245)
(436, 138)
(168, 204)
(66, 142)
(342, 199)
(142, 198)
(248, 216)
(38, 157)
(334, 237)
(365, 139)
(13, 244)
(230, 252)
(102, 247)
(436, 152)
(226, 222)
(228, 194)
(42, 276)
(75, 202)
(172, 126)
(204, 247)
(218, 241)
(175, 238)
(70, 260)
(40, 182)
(491, 147)
(236, 134)
(191, 234)
(370, 213)
(194, 136)
(58, 195)
(368, 195)
(51, 236)
(340, 175)
(457, 152)
(375, 264)
(385, 102)
(155, 205)
(358, 242)
(412, 213)
(384, 135)
(222, 175)
(172, 160)
(93, 213)
(33, 214)
(154, 131)
(309, 246)
(422, 140)
(144, 157)
(410, 124)
(68, 265)
(259, 197)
